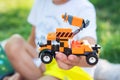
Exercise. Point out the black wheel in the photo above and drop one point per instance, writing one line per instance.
(92, 59)
(46, 56)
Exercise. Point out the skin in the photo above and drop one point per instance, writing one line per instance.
(58, 2)
(21, 55)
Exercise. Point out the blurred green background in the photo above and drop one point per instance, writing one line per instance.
(13, 19)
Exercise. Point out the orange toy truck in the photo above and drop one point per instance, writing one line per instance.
(60, 39)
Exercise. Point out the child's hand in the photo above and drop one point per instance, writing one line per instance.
(65, 62)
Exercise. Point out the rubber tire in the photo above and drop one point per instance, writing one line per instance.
(88, 57)
(45, 53)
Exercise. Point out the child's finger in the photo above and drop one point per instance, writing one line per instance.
(74, 59)
(63, 65)
(62, 57)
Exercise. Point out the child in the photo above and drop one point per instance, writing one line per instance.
(45, 17)
(47, 14)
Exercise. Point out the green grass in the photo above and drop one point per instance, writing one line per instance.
(13, 19)
(108, 31)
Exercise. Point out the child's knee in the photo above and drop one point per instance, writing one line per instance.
(17, 38)
(13, 46)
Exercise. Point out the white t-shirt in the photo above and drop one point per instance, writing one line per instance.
(46, 17)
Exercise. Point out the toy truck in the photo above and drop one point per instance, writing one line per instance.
(62, 36)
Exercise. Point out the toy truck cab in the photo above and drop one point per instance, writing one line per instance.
(83, 48)
(80, 47)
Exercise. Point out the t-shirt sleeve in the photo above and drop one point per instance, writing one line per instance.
(32, 17)
(88, 12)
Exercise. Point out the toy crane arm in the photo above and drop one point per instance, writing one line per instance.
(83, 26)
(75, 21)
(76, 31)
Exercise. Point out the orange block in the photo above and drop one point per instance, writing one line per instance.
(77, 21)
(63, 30)
(51, 36)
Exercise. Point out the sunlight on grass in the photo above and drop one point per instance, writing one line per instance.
(111, 48)
(13, 18)
(108, 30)
(6, 5)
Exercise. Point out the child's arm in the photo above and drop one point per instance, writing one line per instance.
(31, 39)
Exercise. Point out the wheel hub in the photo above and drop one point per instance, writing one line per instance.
(92, 60)
(46, 58)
